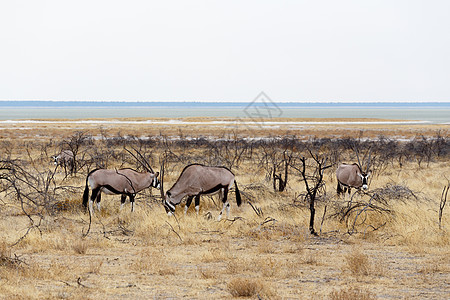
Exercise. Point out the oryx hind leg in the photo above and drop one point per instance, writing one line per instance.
(99, 198)
(226, 204)
(95, 193)
(123, 198)
(132, 196)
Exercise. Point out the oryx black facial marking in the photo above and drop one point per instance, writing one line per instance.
(196, 180)
(126, 182)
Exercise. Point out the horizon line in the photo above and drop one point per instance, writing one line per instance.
(224, 102)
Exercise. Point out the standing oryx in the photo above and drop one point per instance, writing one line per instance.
(126, 182)
(352, 176)
(196, 180)
(65, 159)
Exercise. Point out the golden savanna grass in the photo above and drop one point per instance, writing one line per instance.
(146, 254)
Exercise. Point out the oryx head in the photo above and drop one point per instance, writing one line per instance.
(155, 182)
(364, 174)
(364, 177)
(168, 206)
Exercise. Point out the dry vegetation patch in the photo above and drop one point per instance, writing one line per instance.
(383, 243)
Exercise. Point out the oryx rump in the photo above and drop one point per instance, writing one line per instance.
(196, 180)
(126, 182)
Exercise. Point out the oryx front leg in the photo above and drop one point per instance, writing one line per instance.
(188, 203)
(197, 204)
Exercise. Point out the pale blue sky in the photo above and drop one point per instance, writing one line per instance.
(315, 51)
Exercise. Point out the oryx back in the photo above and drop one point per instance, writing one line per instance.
(196, 180)
(348, 175)
(112, 181)
(126, 182)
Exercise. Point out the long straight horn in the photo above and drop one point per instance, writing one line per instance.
(161, 176)
(142, 161)
(145, 161)
(368, 161)
(357, 156)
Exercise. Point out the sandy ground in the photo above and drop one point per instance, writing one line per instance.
(302, 267)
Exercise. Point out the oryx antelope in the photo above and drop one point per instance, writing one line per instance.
(126, 182)
(352, 176)
(65, 159)
(196, 180)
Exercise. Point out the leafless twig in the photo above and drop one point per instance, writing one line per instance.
(442, 203)
(174, 231)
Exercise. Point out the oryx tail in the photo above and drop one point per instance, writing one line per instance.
(86, 190)
(238, 194)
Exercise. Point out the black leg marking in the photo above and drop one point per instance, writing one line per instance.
(131, 196)
(197, 200)
(123, 198)
(225, 194)
(95, 192)
(99, 197)
(189, 201)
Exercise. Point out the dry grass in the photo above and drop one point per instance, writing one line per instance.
(247, 287)
(145, 254)
(358, 263)
(352, 294)
(80, 247)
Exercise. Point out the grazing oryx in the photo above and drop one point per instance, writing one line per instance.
(126, 182)
(352, 176)
(65, 159)
(196, 180)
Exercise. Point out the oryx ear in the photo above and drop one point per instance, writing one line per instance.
(368, 173)
(168, 194)
(156, 174)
